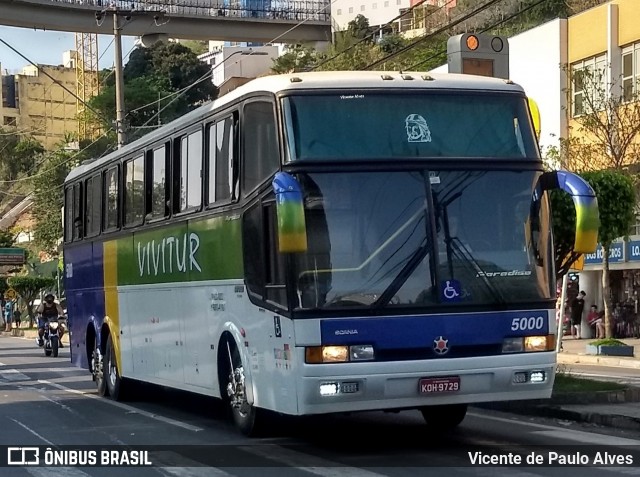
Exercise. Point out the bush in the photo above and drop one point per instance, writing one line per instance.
(608, 342)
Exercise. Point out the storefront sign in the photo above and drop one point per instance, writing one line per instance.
(633, 250)
(615, 254)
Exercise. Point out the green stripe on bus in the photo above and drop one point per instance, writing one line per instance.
(209, 249)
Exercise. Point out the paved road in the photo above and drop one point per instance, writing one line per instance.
(44, 401)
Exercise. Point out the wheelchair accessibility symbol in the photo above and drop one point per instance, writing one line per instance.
(450, 290)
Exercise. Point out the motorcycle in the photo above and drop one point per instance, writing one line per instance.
(52, 333)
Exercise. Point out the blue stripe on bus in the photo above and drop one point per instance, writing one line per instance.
(84, 284)
(404, 332)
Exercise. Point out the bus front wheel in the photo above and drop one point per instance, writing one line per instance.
(97, 368)
(246, 417)
(444, 417)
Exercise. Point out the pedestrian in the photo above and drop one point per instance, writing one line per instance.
(8, 315)
(17, 318)
(577, 306)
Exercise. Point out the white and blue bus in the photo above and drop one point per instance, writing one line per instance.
(323, 243)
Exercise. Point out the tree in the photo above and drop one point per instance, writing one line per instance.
(296, 58)
(29, 287)
(18, 154)
(48, 199)
(167, 77)
(616, 201)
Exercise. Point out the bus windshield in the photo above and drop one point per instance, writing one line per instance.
(367, 125)
(422, 238)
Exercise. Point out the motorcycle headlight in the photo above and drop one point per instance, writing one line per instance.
(53, 325)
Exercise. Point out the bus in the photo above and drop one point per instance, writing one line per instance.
(326, 242)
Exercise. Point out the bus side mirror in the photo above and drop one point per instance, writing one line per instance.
(292, 230)
(585, 202)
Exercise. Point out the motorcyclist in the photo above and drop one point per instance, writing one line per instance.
(48, 310)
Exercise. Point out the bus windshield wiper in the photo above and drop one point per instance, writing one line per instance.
(462, 253)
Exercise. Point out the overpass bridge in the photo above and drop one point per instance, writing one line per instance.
(284, 21)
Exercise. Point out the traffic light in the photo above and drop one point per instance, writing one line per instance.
(478, 54)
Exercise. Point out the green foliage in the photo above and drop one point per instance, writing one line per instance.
(197, 46)
(29, 287)
(616, 202)
(18, 154)
(152, 74)
(359, 28)
(296, 58)
(49, 198)
(608, 342)
(7, 239)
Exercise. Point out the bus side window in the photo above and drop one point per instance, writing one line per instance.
(111, 188)
(78, 215)
(92, 205)
(68, 214)
(157, 190)
(189, 172)
(134, 191)
(261, 156)
(220, 160)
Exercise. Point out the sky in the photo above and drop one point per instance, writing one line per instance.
(47, 47)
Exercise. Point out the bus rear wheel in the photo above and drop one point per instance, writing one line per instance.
(97, 369)
(444, 417)
(247, 418)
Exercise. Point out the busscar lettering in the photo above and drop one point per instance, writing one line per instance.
(158, 257)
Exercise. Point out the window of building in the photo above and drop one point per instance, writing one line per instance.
(386, 4)
(362, 8)
(374, 6)
(134, 191)
(190, 171)
(261, 156)
(93, 204)
(588, 79)
(158, 182)
(339, 12)
(631, 72)
(10, 121)
(350, 9)
(110, 215)
(220, 160)
(398, 2)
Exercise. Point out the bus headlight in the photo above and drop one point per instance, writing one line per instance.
(529, 344)
(338, 354)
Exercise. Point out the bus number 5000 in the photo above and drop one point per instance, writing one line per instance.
(524, 324)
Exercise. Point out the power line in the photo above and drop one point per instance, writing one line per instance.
(491, 27)
(432, 34)
(370, 35)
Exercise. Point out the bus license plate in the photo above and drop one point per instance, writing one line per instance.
(448, 384)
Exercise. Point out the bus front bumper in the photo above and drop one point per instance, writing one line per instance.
(350, 387)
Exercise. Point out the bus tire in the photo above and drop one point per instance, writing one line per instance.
(444, 417)
(115, 382)
(246, 417)
(98, 369)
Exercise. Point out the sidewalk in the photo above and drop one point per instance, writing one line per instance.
(607, 408)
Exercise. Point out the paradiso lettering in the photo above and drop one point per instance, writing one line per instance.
(169, 255)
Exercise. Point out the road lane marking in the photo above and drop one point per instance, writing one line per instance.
(130, 409)
(193, 471)
(43, 439)
(13, 375)
(301, 461)
(567, 434)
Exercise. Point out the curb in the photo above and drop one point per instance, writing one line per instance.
(567, 358)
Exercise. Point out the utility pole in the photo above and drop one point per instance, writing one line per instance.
(119, 80)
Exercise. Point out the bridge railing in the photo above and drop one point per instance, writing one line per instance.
(298, 10)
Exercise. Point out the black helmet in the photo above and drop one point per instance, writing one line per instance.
(49, 298)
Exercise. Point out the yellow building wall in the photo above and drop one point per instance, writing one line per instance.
(587, 37)
(44, 108)
(587, 31)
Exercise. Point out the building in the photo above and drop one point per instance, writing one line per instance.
(607, 39)
(40, 101)
(234, 65)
